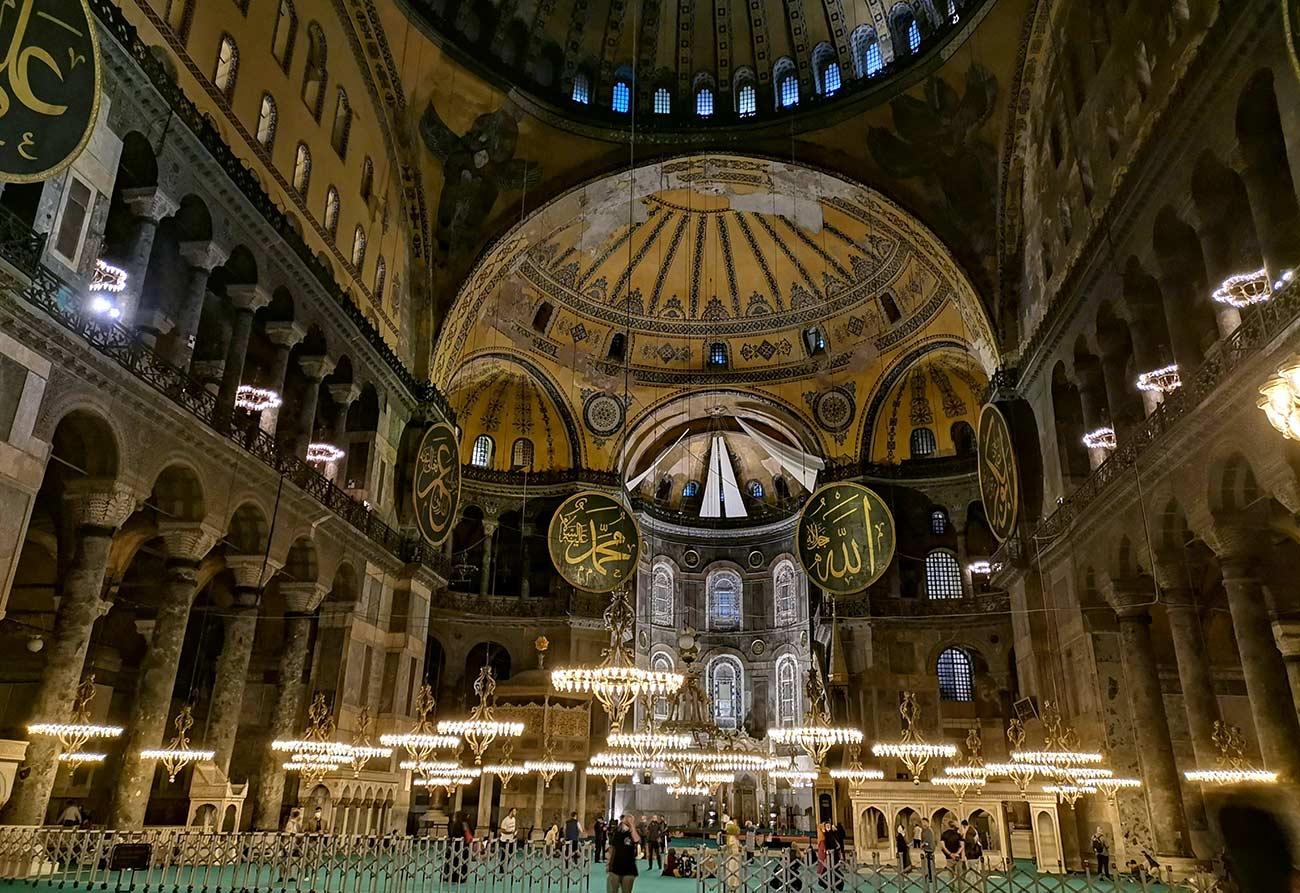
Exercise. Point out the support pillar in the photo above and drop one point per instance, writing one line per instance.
(1120, 392)
(1194, 675)
(247, 300)
(1092, 402)
(1272, 202)
(1148, 352)
(96, 507)
(187, 544)
(343, 395)
(485, 572)
(315, 368)
(485, 786)
(538, 798)
(150, 206)
(284, 335)
(1219, 266)
(1185, 310)
(1287, 633)
(582, 796)
(202, 257)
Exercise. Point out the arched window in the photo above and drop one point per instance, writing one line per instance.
(617, 346)
(342, 124)
(542, 318)
(367, 179)
(266, 121)
(956, 675)
(622, 96)
(785, 607)
(727, 688)
(691, 488)
(785, 76)
(661, 663)
(581, 89)
(963, 438)
(890, 307)
(521, 454)
(781, 486)
(481, 455)
(704, 102)
(747, 101)
(923, 443)
(938, 521)
(314, 76)
(664, 488)
(661, 595)
(381, 272)
(302, 169)
(286, 29)
(814, 341)
(867, 58)
(358, 247)
(942, 575)
(787, 691)
(223, 78)
(718, 354)
(723, 594)
(826, 69)
(755, 489)
(663, 101)
(332, 211)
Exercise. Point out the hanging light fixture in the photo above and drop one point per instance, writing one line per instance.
(177, 755)
(481, 728)
(74, 735)
(1111, 786)
(1102, 438)
(688, 790)
(505, 768)
(80, 757)
(315, 754)
(855, 773)
(648, 745)
(617, 681)
(1280, 399)
(816, 736)
(1069, 794)
(1061, 745)
(422, 740)
(254, 399)
(1246, 289)
(323, 453)
(548, 766)
(912, 749)
(1164, 380)
(1233, 768)
(362, 749)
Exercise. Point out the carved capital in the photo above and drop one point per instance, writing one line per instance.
(1236, 541)
(344, 394)
(1287, 633)
(1132, 597)
(317, 367)
(154, 321)
(203, 255)
(1175, 570)
(208, 371)
(285, 334)
(98, 502)
(302, 598)
(150, 202)
(188, 541)
(248, 297)
(251, 572)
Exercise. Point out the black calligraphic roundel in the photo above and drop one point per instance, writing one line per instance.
(999, 477)
(845, 538)
(49, 86)
(436, 490)
(594, 542)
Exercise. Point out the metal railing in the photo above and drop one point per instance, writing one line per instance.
(248, 862)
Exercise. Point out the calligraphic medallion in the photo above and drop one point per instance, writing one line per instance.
(50, 73)
(594, 542)
(436, 489)
(999, 478)
(845, 538)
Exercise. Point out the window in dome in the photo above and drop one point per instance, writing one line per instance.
(963, 438)
(581, 89)
(781, 487)
(542, 318)
(358, 247)
(923, 443)
(622, 96)
(286, 28)
(942, 575)
(663, 101)
(789, 91)
(367, 179)
(302, 169)
(831, 78)
(180, 15)
(342, 124)
(755, 489)
(690, 489)
(617, 346)
(718, 355)
(784, 606)
(481, 455)
(913, 37)
(661, 663)
(787, 691)
(521, 454)
(704, 102)
(227, 66)
(332, 211)
(267, 118)
(814, 341)
(890, 306)
(875, 60)
(956, 675)
(381, 273)
(867, 59)
(661, 595)
(747, 101)
(938, 522)
(723, 589)
(315, 75)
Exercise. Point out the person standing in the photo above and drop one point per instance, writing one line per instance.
(972, 845)
(900, 845)
(927, 848)
(572, 838)
(916, 836)
(834, 853)
(600, 830)
(620, 870)
(954, 847)
(654, 842)
(509, 833)
(71, 817)
(1102, 849)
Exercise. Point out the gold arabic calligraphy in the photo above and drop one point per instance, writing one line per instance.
(596, 542)
(998, 478)
(437, 483)
(847, 538)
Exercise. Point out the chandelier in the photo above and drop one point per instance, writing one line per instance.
(816, 736)
(1111, 786)
(689, 790)
(617, 681)
(980, 568)
(74, 735)
(1164, 380)
(480, 730)
(323, 453)
(421, 741)
(1244, 289)
(1069, 794)
(254, 399)
(610, 774)
(107, 277)
(177, 755)
(1280, 399)
(912, 748)
(450, 778)
(795, 778)
(77, 758)
(1102, 438)
(1060, 743)
(1021, 772)
(855, 773)
(506, 768)
(314, 755)
(548, 766)
(362, 750)
(971, 774)
(1233, 767)
(648, 745)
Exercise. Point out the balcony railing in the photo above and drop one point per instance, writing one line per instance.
(60, 302)
(879, 605)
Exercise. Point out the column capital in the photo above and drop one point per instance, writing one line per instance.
(1172, 570)
(1235, 540)
(302, 598)
(317, 367)
(187, 541)
(1287, 633)
(154, 321)
(251, 571)
(1131, 596)
(150, 202)
(344, 394)
(99, 502)
(203, 254)
(248, 297)
(285, 334)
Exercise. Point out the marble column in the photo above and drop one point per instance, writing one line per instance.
(1092, 402)
(239, 628)
(485, 573)
(1148, 351)
(1215, 248)
(1272, 203)
(247, 300)
(1274, 713)
(1160, 780)
(187, 544)
(485, 787)
(1120, 392)
(150, 205)
(301, 602)
(284, 335)
(202, 257)
(343, 395)
(582, 795)
(538, 799)
(95, 508)
(1194, 674)
(315, 368)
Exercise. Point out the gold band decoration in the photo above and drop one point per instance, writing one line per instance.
(50, 71)
(594, 542)
(435, 492)
(999, 477)
(845, 538)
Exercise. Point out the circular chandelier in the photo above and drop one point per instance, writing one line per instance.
(1244, 289)
(362, 750)
(314, 755)
(1111, 786)
(1233, 768)
(855, 773)
(617, 681)
(1164, 380)
(960, 785)
(74, 735)
(972, 774)
(548, 767)
(1060, 751)
(323, 453)
(82, 757)
(796, 778)
(1102, 438)
(688, 790)
(816, 736)
(1069, 794)
(1280, 399)
(177, 754)
(481, 728)
(254, 399)
(506, 768)
(421, 741)
(451, 778)
(649, 745)
(912, 749)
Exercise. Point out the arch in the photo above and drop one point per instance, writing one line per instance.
(226, 69)
(358, 247)
(690, 489)
(1263, 143)
(939, 523)
(248, 531)
(905, 30)
(178, 494)
(481, 454)
(785, 605)
(923, 443)
(302, 169)
(826, 69)
(744, 86)
(267, 118)
(724, 596)
(1067, 411)
(755, 489)
(86, 440)
(342, 127)
(521, 454)
(662, 594)
(942, 575)
(956, 674)
(868, 61)
(488, 653)
(1233, 484)
(786, 80)
(661, 662)
(787, 691)
(331, 219)
(727, 690)
(301, 565)
(286, 31)
(315, 75)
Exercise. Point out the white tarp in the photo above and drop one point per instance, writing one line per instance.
(636, 481)
(795, 461)
(712, 507)
(731, 501)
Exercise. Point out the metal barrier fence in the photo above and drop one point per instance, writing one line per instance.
(790, 871)
(166, 861)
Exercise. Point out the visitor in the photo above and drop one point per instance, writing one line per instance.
(1100, 847)
(552, 838)
(972, 846)
(900, 844)
(71, 817)
(620, 870)
(653, 834)
(927, 849)
(572, 838)
(916, 836)
(953, 848)
(834, 854)
(293, 824)
(508, 833)
(664, 835)
(600, 832)
(670, 864)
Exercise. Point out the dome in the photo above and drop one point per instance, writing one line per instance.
(500, 400)
(930, 410)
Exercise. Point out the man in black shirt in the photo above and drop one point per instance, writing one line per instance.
(620, 870)
(953, 847)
